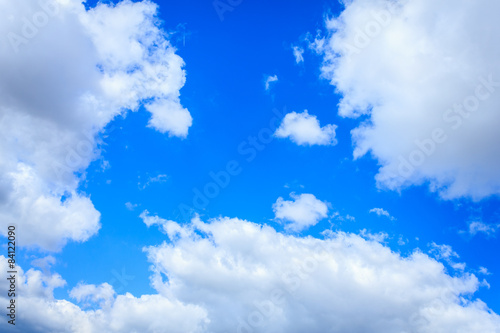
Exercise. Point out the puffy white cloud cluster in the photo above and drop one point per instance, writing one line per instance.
(304, 129)
(231, 275)
(425, 77)
(301, 213)
(38, 311)
(66, 73)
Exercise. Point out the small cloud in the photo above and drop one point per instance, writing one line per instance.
(382, 212)
(442, 251)
(459, 266)
(337, 216)
(485, 283)
(293, 184)
(158, 179)
(130, 206)
(44, 263)
(378, 237)
(270, 79)
(298, 54)
(304, 129)
(446, 253)
(301, 213)
(171, 228)
(483, 271)
(150, 220)
(89, 294)
(480, 227)
(105, 165)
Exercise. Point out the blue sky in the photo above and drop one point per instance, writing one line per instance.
(139, 170)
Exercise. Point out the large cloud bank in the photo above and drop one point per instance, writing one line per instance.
(425, 78)
(66, 73)
(231, 275)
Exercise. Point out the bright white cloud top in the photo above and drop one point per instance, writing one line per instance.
(231, 275)
(304, 129)
(301, 213)
(426, 74)
(108, 60)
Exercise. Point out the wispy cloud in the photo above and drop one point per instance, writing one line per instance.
(298, 53)
(269, 80)
(151, 180)
(130, 206)
(477, 227)
(446, 253)
(382, 212)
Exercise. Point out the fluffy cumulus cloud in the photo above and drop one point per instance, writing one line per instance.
(304, 129)
(301, 213)
(100, 309)
(85, 68)
(231, 275)
(425, 78)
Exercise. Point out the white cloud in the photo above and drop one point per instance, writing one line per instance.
(304, 129)
(171, 228)
(231, 275)
(443, 251)
(298, 53)
(44, 263)
(339, 217)
(270, 79)
(425, 77)
(102, 294)
(402, 241)
(63, 80)
(446, 253)
(301, 213)
(161, 178)
(130, 206)
(169, 116)
(41, 312)
(480, 227)
(382, 212)
(379, 237)
(150, 220)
